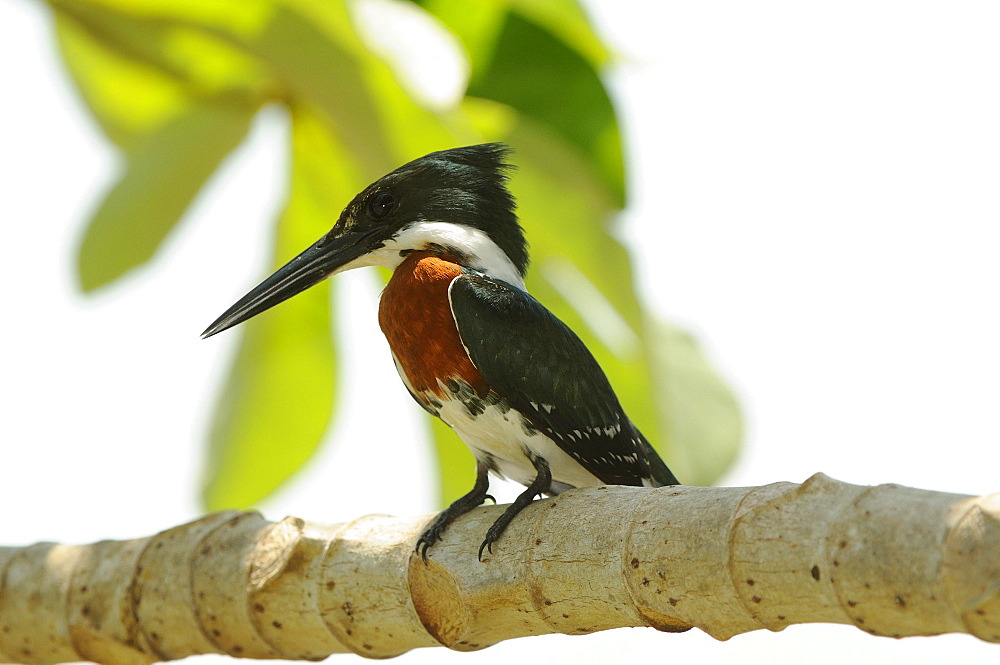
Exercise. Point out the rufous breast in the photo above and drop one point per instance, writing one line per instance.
(416, 318)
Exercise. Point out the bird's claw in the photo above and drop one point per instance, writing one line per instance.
(492, 536)
(430, 536)
(423, 544)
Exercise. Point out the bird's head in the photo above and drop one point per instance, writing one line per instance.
(454, 202)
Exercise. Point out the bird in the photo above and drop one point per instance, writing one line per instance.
(470, 344)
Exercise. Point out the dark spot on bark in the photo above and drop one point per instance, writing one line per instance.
(900, 601)
(851, 603)
(645, 581)
(367, 647)
(842, 544)
(981, 613)
(836, 563)
(756, 599)
(860, 620)
(635, 562)
(538, 541)
(548, 602)
(257, 607)
(673, 602)
(216, 633)
(750, 582)
(206, 549)
(781, 617)
(644, 522)
(815, 573)
(565, 616)
(237, 649)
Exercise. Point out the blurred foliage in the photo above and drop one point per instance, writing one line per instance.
(175, 85)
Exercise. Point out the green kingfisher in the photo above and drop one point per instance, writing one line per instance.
(471, 345)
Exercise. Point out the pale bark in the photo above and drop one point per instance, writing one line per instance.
(891, 560)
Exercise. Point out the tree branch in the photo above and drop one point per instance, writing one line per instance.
(891, 560)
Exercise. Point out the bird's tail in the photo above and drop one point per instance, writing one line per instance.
(660, 474)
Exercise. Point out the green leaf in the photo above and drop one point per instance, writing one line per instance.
(165, 170)
(698, 412)
(128, 99)
(324, 72)
(543, 78)
(277, 402)
(569, 23)
(135, 73)
(477, 25)
(541, 58)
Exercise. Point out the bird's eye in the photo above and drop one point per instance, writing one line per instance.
(382, 204)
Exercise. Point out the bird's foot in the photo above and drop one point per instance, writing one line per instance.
(539, 486)
(494, 532)
(459, 507)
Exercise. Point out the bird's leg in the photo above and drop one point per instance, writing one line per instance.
(474, 498)
(541, 484)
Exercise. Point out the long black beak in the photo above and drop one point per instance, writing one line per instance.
(309, 268)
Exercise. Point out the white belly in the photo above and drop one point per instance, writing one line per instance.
(500, 439)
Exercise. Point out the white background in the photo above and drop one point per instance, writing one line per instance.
(814, 194)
